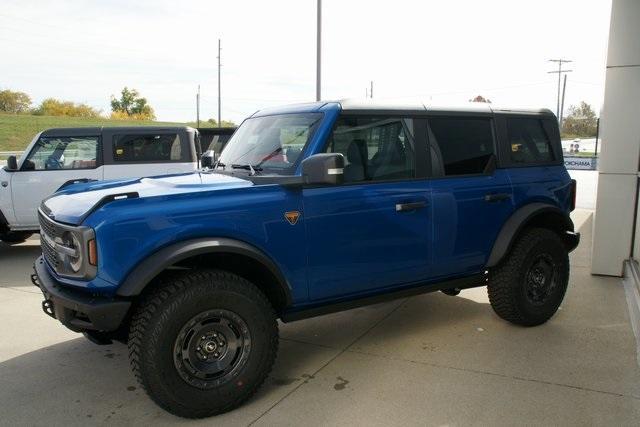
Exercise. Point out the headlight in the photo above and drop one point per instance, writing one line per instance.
(72, 251)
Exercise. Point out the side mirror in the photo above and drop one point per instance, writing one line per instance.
(326, 168)
(208, 159)
(12, 163)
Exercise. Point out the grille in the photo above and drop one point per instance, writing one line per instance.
(48, 228)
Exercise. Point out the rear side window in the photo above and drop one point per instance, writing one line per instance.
(139, 148)
(528, 141)
(461, 145)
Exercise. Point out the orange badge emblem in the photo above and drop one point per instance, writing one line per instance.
(292, 217)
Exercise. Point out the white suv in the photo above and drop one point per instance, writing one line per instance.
(59, 157)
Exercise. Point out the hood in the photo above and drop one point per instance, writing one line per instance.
(74, 203)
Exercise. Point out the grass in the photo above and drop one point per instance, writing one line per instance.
(17, 130)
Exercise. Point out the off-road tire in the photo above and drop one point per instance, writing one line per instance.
(15, 237)
(158, 323)
(508, 288)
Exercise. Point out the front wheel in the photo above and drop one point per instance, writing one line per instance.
(529, 285)
(203, 343)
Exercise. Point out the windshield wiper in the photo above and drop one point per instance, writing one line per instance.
(248, 167)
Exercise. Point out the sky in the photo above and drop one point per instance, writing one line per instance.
(434, 51)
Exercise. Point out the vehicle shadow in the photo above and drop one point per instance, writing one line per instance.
(77, 381)
(16, 262)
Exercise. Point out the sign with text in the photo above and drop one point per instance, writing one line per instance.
(584, 163)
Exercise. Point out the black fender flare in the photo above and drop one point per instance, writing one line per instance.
(512, 227)
(157, 262)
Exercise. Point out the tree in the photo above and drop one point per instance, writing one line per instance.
(581, 121)
(14, 102)
(480, 98)
(131, 105)
(55, 107)
(213, 123)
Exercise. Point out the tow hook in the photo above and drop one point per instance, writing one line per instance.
(47, 307)
(452, 292)
(34, 280)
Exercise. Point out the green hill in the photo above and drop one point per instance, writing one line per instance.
(17, 131)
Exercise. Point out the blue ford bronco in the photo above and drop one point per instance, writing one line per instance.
(309, 209)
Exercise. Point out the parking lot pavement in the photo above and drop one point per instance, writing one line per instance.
(428, 360)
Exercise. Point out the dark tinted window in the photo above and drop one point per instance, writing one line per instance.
(147, 148)
(528, 141)
(374, 148)
(463, 146)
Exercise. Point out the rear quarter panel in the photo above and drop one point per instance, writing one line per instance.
(547, 184)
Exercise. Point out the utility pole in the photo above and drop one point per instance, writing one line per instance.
(564, 88)
(559, 72)
(219, 93)
(371, 90)
(198, 107)
(318, 50)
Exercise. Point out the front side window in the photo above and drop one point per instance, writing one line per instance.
(151, 147)
(54, 153)
(270, 144)
(374, 148)
(461, 145)
(528, 141)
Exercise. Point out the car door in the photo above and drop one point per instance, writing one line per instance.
(146, 152)
(52, 162)
(471, 198)
(373, 231)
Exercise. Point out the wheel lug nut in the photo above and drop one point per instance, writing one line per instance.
(204, 337)
(198, 348)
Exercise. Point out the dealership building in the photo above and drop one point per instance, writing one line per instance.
(616, 233)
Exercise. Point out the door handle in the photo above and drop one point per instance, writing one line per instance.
(406, 207)
(496, 197)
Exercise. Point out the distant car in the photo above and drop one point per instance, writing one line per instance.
(310, 209)
(58, 157)
(215, 139)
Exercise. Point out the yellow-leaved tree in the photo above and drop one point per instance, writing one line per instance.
(131, 106)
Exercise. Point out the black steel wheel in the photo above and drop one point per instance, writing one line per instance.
(202, 342)
(529, 285)
(212, 348)
(541, 278)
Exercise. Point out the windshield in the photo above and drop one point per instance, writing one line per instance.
(271, 144)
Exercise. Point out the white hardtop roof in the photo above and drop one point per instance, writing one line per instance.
(470, 107)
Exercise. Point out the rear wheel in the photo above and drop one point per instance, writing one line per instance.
(15, 237)
(529, 285)
(203, 343)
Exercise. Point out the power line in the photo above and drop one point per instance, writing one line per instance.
(219, 87)
(559, 72)
(318, 49)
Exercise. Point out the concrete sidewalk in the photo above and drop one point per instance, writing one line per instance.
(425, 360)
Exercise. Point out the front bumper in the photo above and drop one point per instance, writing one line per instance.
(77, 310)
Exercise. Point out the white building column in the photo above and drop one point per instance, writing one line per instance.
(615, 216)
